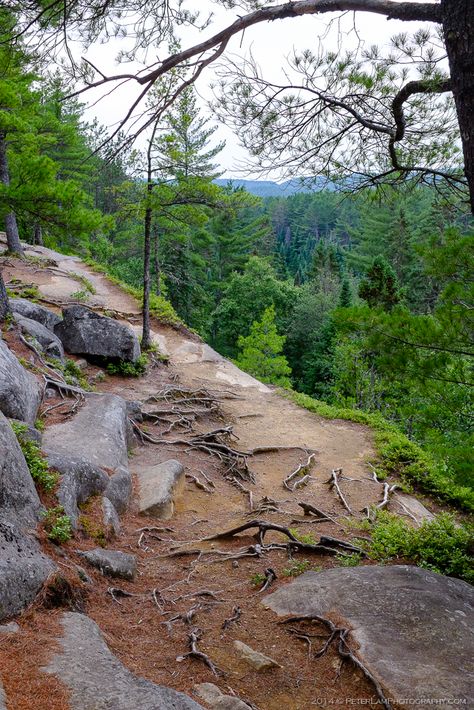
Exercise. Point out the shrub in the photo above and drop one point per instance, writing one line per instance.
(441, 545)
(35, 459)
(57, 525)
(129, 369)
(297, 568)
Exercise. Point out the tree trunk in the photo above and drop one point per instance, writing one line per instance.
(11, 227)
(458, 30)
(146, 340)
(156, 262)
(38, 235)
(4, 303)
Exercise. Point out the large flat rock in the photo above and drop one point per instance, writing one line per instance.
(95, 440)
(98, 433)
(20, 393)
(415, 628)
(158, 487)
(97, 680)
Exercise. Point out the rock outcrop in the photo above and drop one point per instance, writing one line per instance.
(97, 679)
(20, 392)
(35, 312)
(158, 487)
(23, 567)
(85, 332)
(91, 452)
(49, 342)
(217, 700)
(415, 628)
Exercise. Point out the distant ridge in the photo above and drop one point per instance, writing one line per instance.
(269, 188)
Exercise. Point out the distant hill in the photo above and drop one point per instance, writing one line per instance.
(269, 188)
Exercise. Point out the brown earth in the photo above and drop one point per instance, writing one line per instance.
(136, 627)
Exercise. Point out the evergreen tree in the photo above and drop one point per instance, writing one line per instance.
(380, 287)
(345, 298)
(260, 351)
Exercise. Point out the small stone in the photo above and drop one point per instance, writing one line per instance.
(112, 563)
(254, 658)
(11, 628)
(83, 576)
(213, 696)
(81, 363)
(235, 564)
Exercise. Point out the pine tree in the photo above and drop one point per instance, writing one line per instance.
(380, 287)
(261, 351)
(345, 298)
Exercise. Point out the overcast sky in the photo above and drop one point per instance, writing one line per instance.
(270, 44)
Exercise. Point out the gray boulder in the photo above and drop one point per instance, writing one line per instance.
(158, 486)
(35, 312)
(79, 481)
(3, 698)
(23, 569)
(85, 332)
(97, 680)
(19, 502)
(20, 392)
(112, 563)
(414, 628)
(49, 342)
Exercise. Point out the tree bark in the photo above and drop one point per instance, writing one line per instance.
(38, 235)
(4, 302)
(146, 340)
(11, 227)
(458, 30)
(156, 262)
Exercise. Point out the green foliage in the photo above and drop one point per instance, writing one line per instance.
(298, 567)
(82, 296)
(380, 287)
(349, 560)
(260, 351)
(129, 369)
(35, 460)
(441, 545)
(257, 579)
(57, 525)
(306, 538)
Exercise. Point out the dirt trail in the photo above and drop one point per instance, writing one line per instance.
(135, 627)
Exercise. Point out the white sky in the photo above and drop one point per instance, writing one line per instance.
(270, 44)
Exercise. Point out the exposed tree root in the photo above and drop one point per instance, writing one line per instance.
(320, 514)
(193, 639)
(301, 470)
(236, 614)
(270, 577)
(334, 483)
(338, 636)
(199, 484)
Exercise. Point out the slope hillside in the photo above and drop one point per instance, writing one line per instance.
(159, 590)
